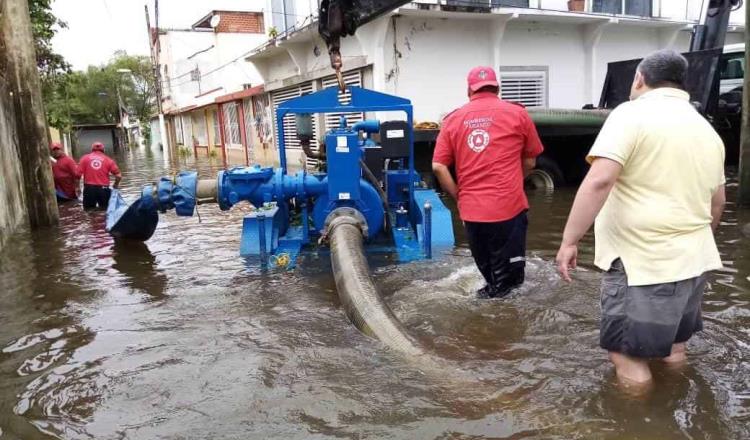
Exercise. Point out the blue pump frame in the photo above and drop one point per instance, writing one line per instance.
(327, 101)
(260, 185)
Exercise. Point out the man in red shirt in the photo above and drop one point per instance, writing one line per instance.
(492, 144)
(96, 168)
(65, 173)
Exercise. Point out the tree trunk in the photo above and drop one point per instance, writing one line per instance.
(18, 58)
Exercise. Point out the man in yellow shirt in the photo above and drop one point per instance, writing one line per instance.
(656, 190)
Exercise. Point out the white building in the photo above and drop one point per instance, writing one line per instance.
(546, 55)
(204, 61)
(201, 66)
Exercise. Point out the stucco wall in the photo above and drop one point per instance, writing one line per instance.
(427, 59)
(12, 209)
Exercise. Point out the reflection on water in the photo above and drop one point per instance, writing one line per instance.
(177, 338)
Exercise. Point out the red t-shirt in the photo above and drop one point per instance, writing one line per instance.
(65, 173)
(96, 168)
(486, 140)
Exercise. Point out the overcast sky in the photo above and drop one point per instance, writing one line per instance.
(98, 28)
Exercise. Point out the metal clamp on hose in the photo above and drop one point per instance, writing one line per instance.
(344, 216)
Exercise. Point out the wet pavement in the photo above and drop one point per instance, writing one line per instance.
(179, 339)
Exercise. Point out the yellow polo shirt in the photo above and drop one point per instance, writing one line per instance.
(657, 218)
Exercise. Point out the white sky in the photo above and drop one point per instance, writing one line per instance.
(98, 28)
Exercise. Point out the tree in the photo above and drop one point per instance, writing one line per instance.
(91, 97)
(44, 26)
(53, 69)
(138, 88)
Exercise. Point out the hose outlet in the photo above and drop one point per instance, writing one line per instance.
(345, 216)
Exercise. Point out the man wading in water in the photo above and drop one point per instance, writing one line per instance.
(492, 144)
(656, 189)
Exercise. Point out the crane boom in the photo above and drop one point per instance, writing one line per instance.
(340, 18)
(711, 32)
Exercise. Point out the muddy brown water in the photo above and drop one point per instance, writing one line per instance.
(180, 339)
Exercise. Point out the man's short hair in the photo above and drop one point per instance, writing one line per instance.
(664, 68)
(490, 89)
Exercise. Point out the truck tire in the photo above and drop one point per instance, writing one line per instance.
(546, 176)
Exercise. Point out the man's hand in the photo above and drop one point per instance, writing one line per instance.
(567, 259)
(445, 178)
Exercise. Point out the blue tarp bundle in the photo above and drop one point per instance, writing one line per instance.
(135, 222)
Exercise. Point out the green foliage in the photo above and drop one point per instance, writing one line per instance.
(52, 66)
(44, 26)
(91, 96)
(146, 133)
(184, 152)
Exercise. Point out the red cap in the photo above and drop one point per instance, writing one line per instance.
(55, 146)
(481, 76)
(97, 146)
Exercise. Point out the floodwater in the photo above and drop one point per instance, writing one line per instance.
(179, 339)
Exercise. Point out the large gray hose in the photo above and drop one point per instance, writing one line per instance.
(365, 308)
(360, 298)
(566, 117)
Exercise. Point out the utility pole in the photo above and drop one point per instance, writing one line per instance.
(157, 75)
(743, 198)
(20, 70)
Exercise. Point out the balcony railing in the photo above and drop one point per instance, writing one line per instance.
(685, 10)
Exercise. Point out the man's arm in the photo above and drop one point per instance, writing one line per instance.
(80, 167)
(718, 201)
(588, 202)
(529, 163)
(443, 174)
(73, 168)
(533, 147)
(115, 171)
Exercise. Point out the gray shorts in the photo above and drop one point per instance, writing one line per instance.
(644, 321)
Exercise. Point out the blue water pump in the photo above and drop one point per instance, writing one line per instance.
(369, 175)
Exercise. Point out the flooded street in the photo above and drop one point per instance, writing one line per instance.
(179, 339)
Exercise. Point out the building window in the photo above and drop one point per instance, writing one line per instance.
(470, 4)
(732, 66)
(284, 16)
(217, 127)
(187, 128)
(178, 130)
(199, 128)
(640, 8)
(232, 125)
(511, 3)
(524, 85)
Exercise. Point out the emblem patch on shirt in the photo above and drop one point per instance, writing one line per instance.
(96, 164)
(478, 140)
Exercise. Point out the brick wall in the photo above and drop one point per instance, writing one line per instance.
(241, 22)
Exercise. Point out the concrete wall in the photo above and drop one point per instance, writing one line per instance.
(12, 205)
(559, 47)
